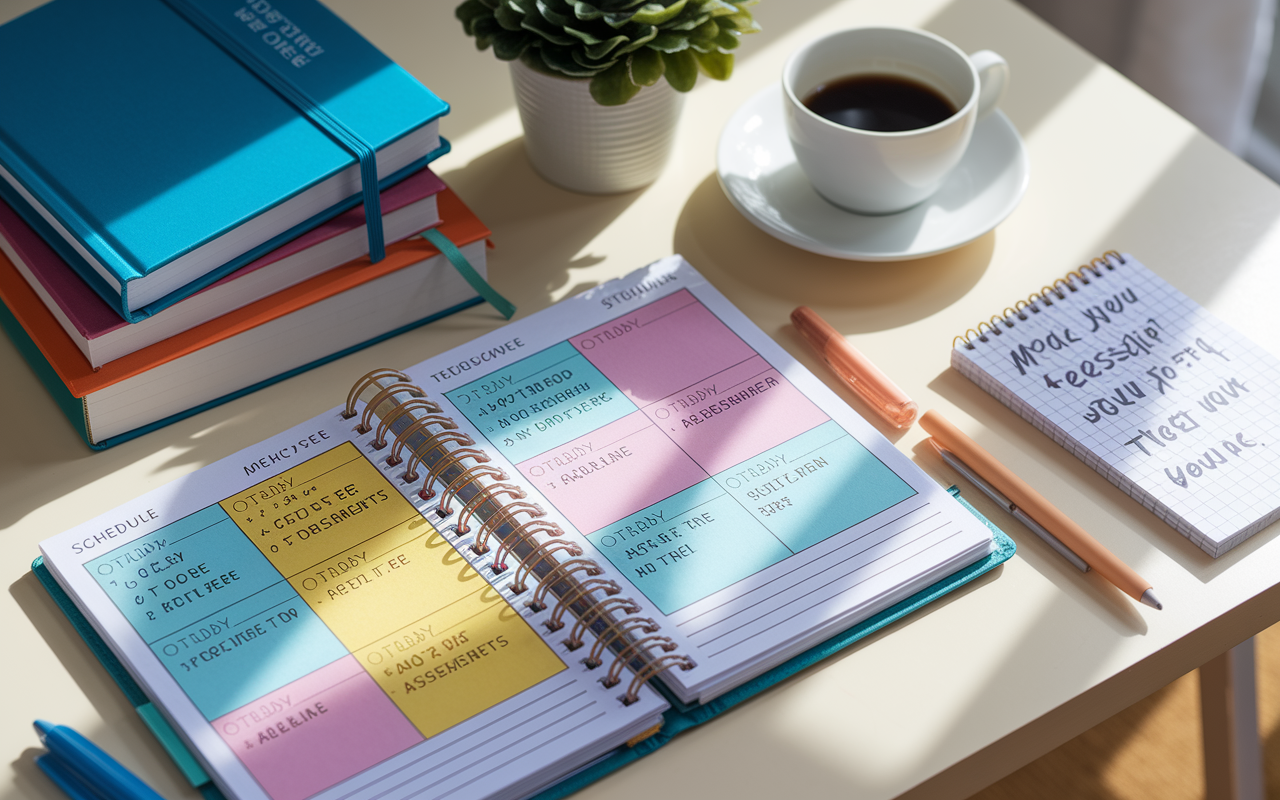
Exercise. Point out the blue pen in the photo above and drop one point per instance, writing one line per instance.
(96, 771)
(65, 779)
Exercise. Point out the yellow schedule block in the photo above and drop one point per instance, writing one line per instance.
(322, 507)
(390, 581)
(459, 661)
(433, 633)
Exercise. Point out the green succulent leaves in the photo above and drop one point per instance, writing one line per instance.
(621, 45)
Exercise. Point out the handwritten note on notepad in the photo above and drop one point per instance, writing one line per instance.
(1165, 400)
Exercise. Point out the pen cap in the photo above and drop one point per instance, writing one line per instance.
(92, 765)
(855, 369)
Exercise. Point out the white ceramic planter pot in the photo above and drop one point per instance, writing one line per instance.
(586, 147)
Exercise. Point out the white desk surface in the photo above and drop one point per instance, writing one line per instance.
(941, 704)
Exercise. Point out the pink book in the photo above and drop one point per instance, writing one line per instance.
(408, 207)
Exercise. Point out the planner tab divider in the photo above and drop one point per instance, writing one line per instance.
(483, 512)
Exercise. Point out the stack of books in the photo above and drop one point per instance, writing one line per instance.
(198, 198)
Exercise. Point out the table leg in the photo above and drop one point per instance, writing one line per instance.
(1229, 718)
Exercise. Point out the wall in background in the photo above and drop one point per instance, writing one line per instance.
(1212, 62)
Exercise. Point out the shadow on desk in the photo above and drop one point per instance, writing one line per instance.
(28, 781)
(539, 229)
(1200, 181)
(855, 296)
(123, 728)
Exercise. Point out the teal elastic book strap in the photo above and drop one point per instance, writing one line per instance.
(477, 281)
(313, 111)
(310, 108)
(118, 299)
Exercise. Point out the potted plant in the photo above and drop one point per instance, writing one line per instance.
(599, 83)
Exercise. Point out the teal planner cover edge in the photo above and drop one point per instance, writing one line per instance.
(675, 721)
(155, 722)
(119, 302)
(161, 141)
(70, 405)
(74, 408)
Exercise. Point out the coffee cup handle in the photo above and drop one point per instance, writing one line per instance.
(993, 77)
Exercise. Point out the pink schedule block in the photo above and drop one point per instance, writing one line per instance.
(317, 731)
(730, 417)
(611, 472)
(662, 348)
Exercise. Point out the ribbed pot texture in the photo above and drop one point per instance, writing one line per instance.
(580, 145)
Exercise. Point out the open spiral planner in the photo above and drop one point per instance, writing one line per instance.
(560, 543)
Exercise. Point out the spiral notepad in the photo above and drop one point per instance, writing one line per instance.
(1161, 397)
(468, 580)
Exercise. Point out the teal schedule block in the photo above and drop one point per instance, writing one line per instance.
(248, 650)
(540, 402)
(182, 573)
(689, 546)
(224, 622)
(814, 485)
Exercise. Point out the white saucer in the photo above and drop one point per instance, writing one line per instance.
(759, 173)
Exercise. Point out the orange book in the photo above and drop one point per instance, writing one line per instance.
(322, 318)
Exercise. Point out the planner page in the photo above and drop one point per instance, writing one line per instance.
(1167, 401)
(312, 635)
(754, 513)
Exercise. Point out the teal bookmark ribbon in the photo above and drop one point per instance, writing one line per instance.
(468, 272)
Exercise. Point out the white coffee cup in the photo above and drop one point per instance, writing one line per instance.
(876, 172)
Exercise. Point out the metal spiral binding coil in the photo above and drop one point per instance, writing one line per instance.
(563, 571)
(434, 448)
(617, 630)
(382, 396)
(451, 460)
(522, 534)
(486, 494)
(537, 556)
(415, 424)
(1060, 288)
(379, 436)
(652, 668)
(614, 675)
(624, 605)
(467, 475)
(567, 583)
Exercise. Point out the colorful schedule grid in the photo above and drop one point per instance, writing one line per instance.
(321, 624)
(681, 453)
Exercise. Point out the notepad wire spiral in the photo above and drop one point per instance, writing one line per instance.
(1060, 288)
(482, 509)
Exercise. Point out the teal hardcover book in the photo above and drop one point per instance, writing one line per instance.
(160, 144)
(327, 316)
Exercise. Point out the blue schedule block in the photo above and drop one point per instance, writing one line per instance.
(182, 573)
(230, 659)
(689, 546)
(814, 485)
(222, 620)
(541, 402)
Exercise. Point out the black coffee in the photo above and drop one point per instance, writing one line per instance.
(879, 102)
